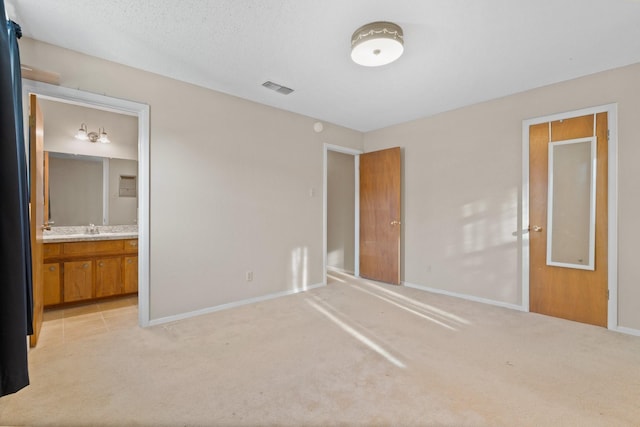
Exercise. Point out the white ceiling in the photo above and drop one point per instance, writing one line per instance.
(457, 52)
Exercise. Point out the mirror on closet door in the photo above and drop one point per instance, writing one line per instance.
(571, 204)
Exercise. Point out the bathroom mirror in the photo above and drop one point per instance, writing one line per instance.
(85, 190)
(84, 177)
(572, 204)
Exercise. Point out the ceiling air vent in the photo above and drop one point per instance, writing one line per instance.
(278, 88)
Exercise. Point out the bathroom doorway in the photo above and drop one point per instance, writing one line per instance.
(116, 206)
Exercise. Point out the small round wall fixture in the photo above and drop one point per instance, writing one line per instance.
(377, 43)
(318, 127)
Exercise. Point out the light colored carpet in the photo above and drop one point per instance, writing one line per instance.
(351, 353)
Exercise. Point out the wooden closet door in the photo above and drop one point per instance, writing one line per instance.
(380, 189)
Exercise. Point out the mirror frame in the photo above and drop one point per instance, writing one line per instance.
(590, 265)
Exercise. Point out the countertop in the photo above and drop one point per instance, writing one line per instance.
(81, 234)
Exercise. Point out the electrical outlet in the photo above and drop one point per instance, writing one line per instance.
(249, 276)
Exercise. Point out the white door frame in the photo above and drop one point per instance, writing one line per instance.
(356, 248)
(612, 280)
(131, 108)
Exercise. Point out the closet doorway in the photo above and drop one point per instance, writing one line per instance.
(341, 210)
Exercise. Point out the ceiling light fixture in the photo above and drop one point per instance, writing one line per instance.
(377, 43)
(100, 136)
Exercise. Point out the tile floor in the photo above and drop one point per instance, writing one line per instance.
(61, 325)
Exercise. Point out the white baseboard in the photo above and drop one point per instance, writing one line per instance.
(229, 305)
(339, 270)
(628, 331)
(621, 329)
(465, 296)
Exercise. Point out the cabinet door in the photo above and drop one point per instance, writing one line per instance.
(108, 277)
(130, 274)
(78, 280)
(52, 289)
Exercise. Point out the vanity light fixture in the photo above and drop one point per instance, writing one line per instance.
(103, 137)
(100, 136)
(377, 43)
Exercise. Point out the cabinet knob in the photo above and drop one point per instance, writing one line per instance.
(133, 243)
(52, 268)
(85, 265)
(129, 261)
(101, 264)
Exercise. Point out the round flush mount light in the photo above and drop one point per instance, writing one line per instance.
(377, 43)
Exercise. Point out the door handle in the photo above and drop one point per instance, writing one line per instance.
(395, 223)
(537, 228)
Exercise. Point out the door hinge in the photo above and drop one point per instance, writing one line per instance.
(607, 294)
(608, 134)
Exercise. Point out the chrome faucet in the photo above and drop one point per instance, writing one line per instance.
(92, 229)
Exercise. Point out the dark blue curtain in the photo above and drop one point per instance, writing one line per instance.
(15, 246)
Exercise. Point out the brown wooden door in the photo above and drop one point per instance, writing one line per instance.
(380, 179)
(569, 293)
(36, 206)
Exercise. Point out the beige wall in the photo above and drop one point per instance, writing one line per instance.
(230, 185)
(231, 180)
(340, 211)
(61, 123)
(462, 173)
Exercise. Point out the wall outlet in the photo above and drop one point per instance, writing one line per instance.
(249, 276)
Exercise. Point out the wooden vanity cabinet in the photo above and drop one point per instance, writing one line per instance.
(131, 246)
(108, 277)
(130, 274)
(78, 271)
(52, 286)
(130, 266)
(78, 281)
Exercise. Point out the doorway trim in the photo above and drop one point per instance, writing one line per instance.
(356, 159)
(131, 108)
(612, 177)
